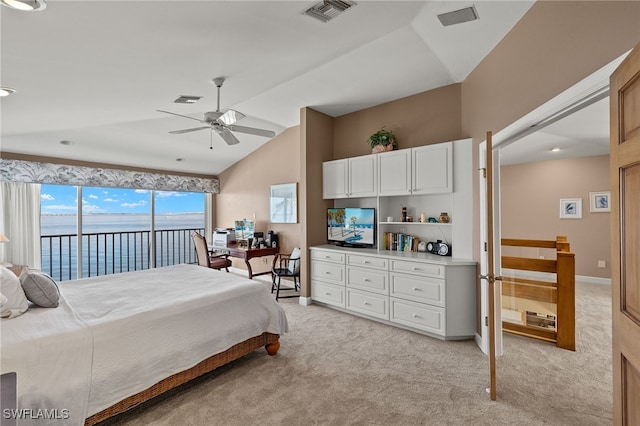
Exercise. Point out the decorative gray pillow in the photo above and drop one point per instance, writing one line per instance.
(40, 288)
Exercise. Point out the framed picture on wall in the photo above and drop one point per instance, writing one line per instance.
(600, 202)
(284, 203)
(571, 208)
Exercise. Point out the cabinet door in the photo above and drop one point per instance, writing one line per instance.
(334, 179)
(432, 168)
(394, 172)
(362, 176)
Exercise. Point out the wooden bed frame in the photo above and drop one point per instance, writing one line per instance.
(268, 340)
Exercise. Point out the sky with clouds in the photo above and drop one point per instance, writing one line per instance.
(62, 199)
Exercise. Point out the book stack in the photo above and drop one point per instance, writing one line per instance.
(397, 241)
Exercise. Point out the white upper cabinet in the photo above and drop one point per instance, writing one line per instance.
(334, 179)
(394, 172)
(432, 169)
(351, 177)
(363, 172)
(424, 170)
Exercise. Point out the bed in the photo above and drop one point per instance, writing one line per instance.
(118, 340)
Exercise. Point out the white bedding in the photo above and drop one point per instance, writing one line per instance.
(148, 325)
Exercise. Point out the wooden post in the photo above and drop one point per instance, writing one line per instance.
(562, 244)
(566, 307)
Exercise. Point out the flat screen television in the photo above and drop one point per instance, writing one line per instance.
(352, 226)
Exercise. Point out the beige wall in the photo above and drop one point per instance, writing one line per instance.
(423, 119)
(554, 46)
(530, 206)
(245, 189)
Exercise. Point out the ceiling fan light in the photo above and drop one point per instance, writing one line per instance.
(25, 5)
(6, 91)
(230, 117)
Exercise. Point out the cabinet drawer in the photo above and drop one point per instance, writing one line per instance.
(423, 317)
(419, 289)
(367, 261)
(418, 268)
(368, 279)
(328, 293)
(325, 271)
(327, 256)
(368, 303)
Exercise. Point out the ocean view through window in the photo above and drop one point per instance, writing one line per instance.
(118, 232)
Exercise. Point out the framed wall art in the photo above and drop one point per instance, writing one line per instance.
(600, 202)
(284, 203)
(571, 208)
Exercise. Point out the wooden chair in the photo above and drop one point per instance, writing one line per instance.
(207, 259)
(288, 266)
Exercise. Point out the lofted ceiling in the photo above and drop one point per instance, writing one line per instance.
(584, 133)
(95, 72)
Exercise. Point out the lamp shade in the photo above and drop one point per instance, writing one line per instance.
(3, 238)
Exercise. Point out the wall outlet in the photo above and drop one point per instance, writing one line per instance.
(602, 264)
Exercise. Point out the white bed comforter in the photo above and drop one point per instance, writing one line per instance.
(150, 324)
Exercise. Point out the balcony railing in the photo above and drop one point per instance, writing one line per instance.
(106, 253)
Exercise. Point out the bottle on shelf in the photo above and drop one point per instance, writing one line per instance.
(404, 214)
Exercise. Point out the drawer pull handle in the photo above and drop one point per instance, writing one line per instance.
(327, 273)
(415, 268)
(366, 280)
(417, 316)
(367, 304)
(416, 289)
(365, 262)
(327, 293)
(327, 257)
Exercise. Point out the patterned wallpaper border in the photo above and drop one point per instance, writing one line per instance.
(33, 172)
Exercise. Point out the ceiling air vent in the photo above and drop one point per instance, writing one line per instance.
(458, 16)
(187, 99)
(328, 9)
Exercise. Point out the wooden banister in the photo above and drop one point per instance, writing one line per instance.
(561, 292)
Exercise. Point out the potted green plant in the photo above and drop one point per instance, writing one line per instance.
(382, 140)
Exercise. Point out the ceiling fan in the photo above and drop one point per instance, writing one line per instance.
(222, 123)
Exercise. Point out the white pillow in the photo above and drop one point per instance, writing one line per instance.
(11, 289)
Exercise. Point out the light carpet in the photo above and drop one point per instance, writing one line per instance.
(338, 369)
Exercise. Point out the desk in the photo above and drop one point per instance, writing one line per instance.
(248, 254)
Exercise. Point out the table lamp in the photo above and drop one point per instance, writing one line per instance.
(4, 239)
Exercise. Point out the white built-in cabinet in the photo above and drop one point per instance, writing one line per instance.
(430, 179)
(420, 292)
(416, 171)
(350, 177)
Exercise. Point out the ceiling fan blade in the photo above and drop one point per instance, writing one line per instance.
(230, 117)
(228, 137)
(253, 131)
(180, 115)
(178, 132)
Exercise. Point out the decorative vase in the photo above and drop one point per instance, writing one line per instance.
(381, 148)
(444, 217)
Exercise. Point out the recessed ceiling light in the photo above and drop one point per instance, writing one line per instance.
(555, 149)
(26, 5)
(68, 143)
(6, 91)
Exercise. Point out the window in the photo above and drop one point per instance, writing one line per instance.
(117, 230)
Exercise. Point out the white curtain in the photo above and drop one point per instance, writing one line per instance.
(20, 223)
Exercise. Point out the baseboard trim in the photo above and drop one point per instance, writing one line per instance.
(549, 276)
(305, 301)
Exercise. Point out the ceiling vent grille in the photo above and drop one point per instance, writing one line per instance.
(187, 99)
(458, 16)
(328, 9)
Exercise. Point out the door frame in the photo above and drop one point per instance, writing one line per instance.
(589, 90)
